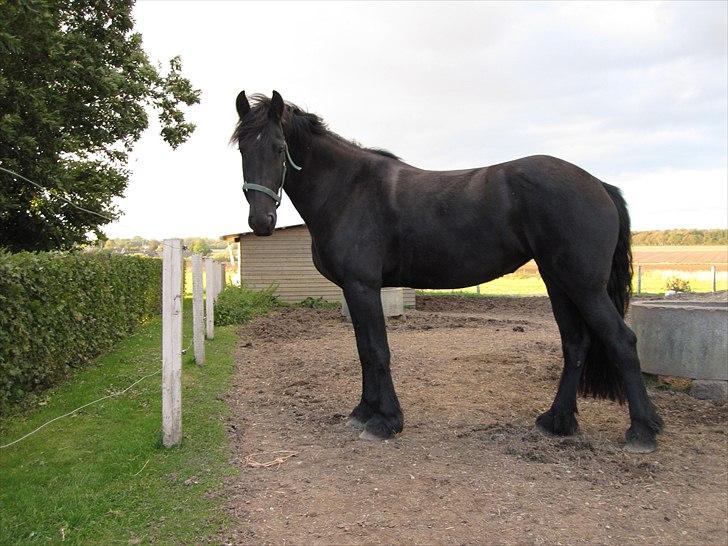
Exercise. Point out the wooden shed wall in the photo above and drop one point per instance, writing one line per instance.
(284, 258)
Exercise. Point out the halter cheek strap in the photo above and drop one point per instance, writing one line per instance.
(276, 196)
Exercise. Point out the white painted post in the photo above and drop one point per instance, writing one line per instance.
(639, 279)
(223, 281)
(477, 289)
(210, 297)
(198, 310)
(216, 274)
(231, 257)
(240, 260)
(172, 342)
(714, 271)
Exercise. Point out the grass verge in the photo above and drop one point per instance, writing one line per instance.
(508, 285)
(101, 475)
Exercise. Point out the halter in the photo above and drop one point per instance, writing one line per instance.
(276, 196)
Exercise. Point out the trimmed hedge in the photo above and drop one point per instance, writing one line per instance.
(60, 310)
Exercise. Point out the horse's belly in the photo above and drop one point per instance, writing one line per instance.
(466, 265)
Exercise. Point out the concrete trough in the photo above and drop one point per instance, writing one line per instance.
(684, 339)
(392, 303)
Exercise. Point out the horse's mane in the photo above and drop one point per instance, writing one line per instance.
(298, 125)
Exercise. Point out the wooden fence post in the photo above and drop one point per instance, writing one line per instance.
(714, 272)
(639, 279)
(172, 342)
(223, 281)
(210, 297)
(215, 280)
(198, 310)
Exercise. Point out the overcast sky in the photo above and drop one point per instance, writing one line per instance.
(636, 94)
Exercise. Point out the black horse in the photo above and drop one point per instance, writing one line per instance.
(376, 221)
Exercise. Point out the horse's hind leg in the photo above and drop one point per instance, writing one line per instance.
(560, 419)
(620, 345)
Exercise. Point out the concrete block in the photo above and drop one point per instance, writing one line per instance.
(682, 338)
(392, 303)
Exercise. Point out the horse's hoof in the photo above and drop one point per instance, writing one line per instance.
(562, 425)
(355, 423)
(640, 439)
(366, 435)
(380, 428)
(543, 430)
(636, 446)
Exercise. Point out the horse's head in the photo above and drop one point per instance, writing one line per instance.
(262, 145)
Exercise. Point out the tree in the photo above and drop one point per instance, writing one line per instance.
(153, 247)
(200, 246)
(75, 88)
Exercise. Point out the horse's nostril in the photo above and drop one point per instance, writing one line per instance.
(271, 221)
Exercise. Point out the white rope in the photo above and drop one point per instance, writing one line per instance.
(80, 408)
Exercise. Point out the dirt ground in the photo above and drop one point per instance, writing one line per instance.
(472, 375)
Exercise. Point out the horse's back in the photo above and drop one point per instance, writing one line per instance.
(449, 229)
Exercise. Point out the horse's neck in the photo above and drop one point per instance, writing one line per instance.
(321, 187)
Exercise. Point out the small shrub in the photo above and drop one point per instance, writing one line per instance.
(317, 303)
(676, 284)
(238, 304)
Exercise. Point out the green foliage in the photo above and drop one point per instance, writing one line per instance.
(75, 88)
(678, 285)
(236, 304)
(219, 255)
(681, 237)
(59, 311)
(317, 303)
(200, 246)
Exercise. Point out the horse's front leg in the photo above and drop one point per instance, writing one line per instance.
(378, 412)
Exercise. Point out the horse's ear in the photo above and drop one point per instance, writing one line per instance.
(242, 104)
(276, 106)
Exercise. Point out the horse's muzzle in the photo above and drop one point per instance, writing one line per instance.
(262, 224)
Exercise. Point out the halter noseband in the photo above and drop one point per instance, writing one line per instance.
(276, 196)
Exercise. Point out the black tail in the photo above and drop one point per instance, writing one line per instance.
(601, 377)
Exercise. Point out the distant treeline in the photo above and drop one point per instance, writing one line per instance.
(680, 237)
(206, 247)
(153, 247)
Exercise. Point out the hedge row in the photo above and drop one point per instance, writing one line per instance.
(59, 311)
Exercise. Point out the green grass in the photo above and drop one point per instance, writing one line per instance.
(508, 285)
(653, 282)
(101, 476)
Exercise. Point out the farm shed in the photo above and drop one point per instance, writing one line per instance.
(284, 259)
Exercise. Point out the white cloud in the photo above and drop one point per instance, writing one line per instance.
(672, 198)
